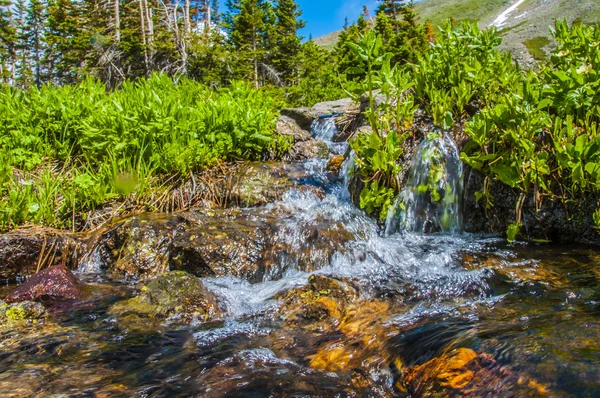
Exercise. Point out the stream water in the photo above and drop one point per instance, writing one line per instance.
(533, 309)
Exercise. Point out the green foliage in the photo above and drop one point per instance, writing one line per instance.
(74, 148)
(318, 78)
(402, 37)
(536, 132)
(542, 137)
(462, 66)
(378, 151)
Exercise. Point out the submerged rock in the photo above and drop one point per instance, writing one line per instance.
(324, 297)
(177, 296)
(464, 373)
(51, 284)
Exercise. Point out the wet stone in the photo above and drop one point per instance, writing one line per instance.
(463, 372)
(312, 149)
(176, 296)
(255, 244)
(335, 164)
(220, 247)
(22, 253)
(52, 284)
(322, 298)
(139, 246)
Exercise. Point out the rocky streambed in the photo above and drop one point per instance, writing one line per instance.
(290, 290)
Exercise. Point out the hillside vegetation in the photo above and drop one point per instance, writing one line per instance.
(530, 21)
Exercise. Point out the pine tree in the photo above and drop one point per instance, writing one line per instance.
(23, 75)
(286, 42)
(390, 7)
(35, 22)
(64, 52)
(246, 22)
(8, 38)
(215, 15)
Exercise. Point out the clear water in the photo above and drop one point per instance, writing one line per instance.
(534, 308)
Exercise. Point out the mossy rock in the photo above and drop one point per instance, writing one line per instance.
(177, 296)
(16, 313)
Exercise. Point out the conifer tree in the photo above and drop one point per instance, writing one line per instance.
(286, 42)
(64, 52)
(8, 40)
(35, 23)
(390, 7)
(246, 22)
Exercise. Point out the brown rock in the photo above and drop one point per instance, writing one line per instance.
(221, 246)
(335, 163)
(176, 294)
(54, 283)
(322, 298)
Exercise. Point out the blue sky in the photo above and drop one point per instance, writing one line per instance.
(326, 16)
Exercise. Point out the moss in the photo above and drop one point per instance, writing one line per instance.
(16, 313)
(22, 311)
(536, 47)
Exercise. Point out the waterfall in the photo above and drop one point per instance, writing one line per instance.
(324, 128)
(430, 201)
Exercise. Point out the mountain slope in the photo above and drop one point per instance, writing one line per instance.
(524, 24)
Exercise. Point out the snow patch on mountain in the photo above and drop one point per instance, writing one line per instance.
(503, 17)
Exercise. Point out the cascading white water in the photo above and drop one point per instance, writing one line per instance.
(325, 129)
(431, 199)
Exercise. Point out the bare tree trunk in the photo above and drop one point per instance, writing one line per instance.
(117, 21)
(186, 17)
(395, 14)
(144, 41)
(255, 58)
(207, 18)
(171, 19)
(150, 35)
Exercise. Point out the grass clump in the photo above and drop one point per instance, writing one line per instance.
(536, 47)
